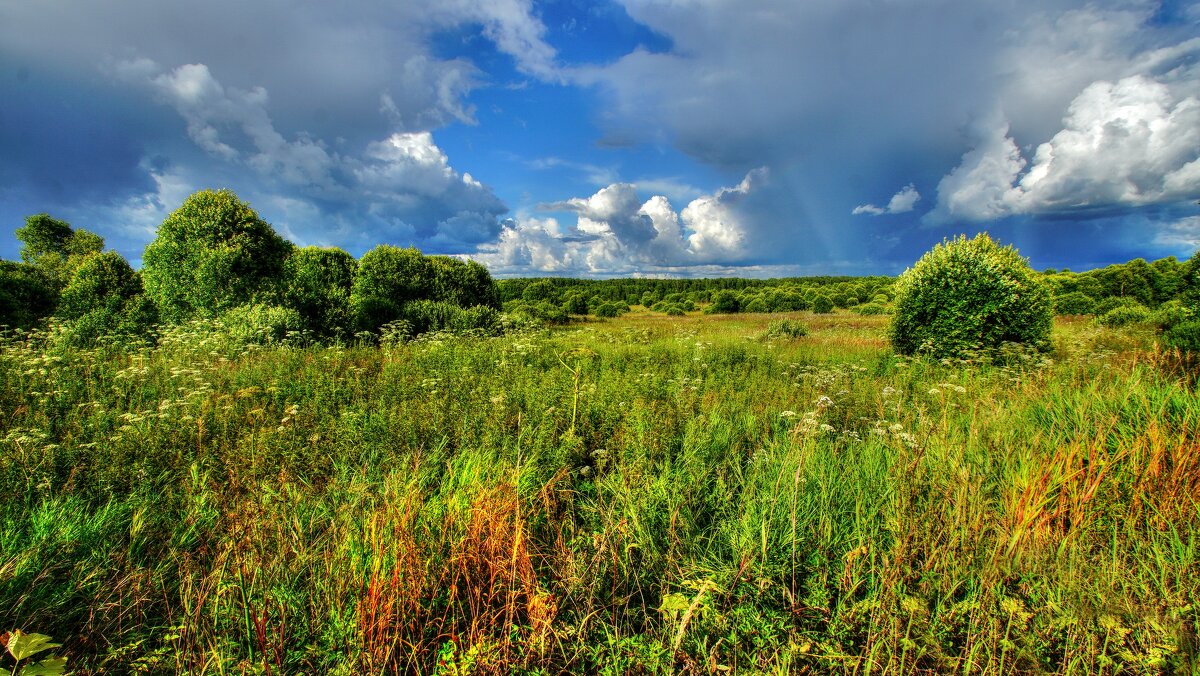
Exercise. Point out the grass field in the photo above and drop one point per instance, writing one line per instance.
(641, 495)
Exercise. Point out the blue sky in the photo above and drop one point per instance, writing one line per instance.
(645, 137)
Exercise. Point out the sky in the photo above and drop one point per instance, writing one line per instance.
(617, 138)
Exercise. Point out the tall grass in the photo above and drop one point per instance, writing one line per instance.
(646, 495)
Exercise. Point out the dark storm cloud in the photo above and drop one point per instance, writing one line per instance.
(318, 114)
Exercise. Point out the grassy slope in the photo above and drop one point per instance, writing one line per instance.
(643, 495)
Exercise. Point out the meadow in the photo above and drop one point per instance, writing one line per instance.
(647, 494)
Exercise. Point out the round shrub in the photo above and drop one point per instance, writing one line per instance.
(388, 277)
(1172, 313)
(1124, 316)
(103, 281)
(822, 304)
(871, 308)
(1109, 303)
(317, 285)
(609, 310)
(1075, 303)
(756, 304)
(104, 298)
(1185, 336)
(966, 295)
(724, 302)
(212, 254)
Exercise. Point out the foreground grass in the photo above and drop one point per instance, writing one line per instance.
(646, 495)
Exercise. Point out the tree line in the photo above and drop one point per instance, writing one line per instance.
(215, 259)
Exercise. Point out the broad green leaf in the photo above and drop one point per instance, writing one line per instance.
(51, 666)
(22, 645)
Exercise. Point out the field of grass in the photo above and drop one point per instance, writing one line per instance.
(643, 495)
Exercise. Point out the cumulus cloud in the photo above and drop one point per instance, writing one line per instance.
(1129, 143)
(902, 202)
(615, 232)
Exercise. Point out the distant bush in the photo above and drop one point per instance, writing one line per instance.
(871, 308)
(723, 302)
(756, 304)
(1124, 316)
(388, 277)
(786, 328)
(822, 304)
(210, 255)
(966, 295)
(608, 310)
(575, 304)
(1075, 303)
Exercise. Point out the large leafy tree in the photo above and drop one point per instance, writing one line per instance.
(212, 254)
(56, 248)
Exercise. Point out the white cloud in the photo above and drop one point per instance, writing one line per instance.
(1183, 235)
(902, 202)
(1128, 143)
(615, 233)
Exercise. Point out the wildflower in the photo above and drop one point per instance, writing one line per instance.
(824, 402)
(934, 391)
(888, 391)
(787, 414)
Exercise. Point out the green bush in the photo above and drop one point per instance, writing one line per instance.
(756, 304)
(575, 304)
(425, 316)
(317, 285)
(871, 308)
(388, 278)
(608, 310)
(786, 328)
(1185, 336)
(1172, 313)
(105, 298)
(27, 295)
(724, 302)
(822, 304)
(103, 281)
(1074, 303)
(1124, 316)
(261, 323)
(210, 255)
(966, 295)
(55, 248)
(1109, 303)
